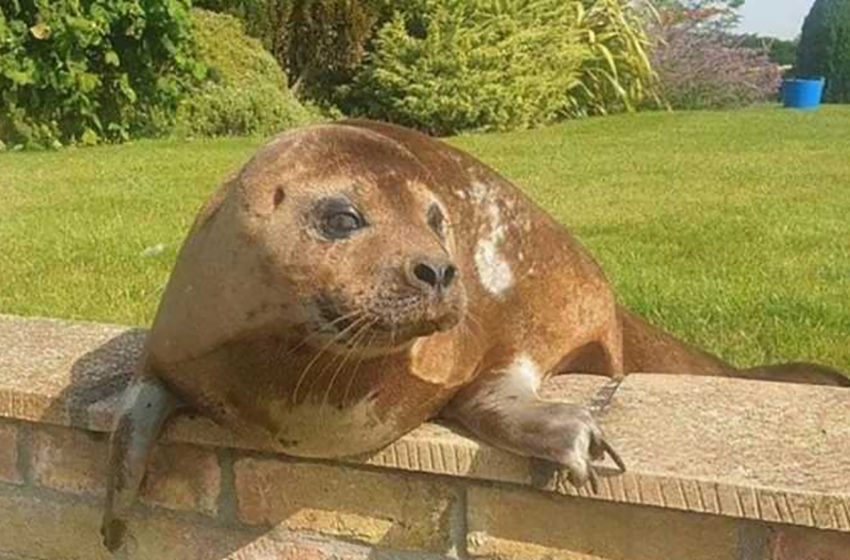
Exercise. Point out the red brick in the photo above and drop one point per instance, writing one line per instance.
(68, 529)
(69, 460)
(793, 543)
(518, 524)
(9, 454)
(265, 548)
(389, 510)
(180, 476)
(183, 477)
(33, 528)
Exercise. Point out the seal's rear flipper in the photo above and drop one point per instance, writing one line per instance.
(147, 405)
(648, 349)
(809, 374)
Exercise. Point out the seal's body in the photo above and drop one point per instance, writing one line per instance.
(232, 343)
(357, 279)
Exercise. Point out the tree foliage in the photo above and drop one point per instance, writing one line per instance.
(447, 66)
(92, 70)
(328, 39)
(457, 64)
(824, 48)
(319, 43)
(780, 51)
(266, 20)
(719, 15)
(246, 92)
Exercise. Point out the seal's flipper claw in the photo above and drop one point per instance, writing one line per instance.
(594, 480)
(147, 404)
(614, 455)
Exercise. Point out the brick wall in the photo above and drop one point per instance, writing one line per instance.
(214, 503)
(740, 490)
(204, 502)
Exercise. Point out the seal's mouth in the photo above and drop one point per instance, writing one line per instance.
(388, 325)
(333, 318)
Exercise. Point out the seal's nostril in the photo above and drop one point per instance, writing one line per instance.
(449, 275)
(426, 273)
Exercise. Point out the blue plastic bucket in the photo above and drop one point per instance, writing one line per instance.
(803, 94)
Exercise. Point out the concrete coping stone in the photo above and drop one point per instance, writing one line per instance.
(770, 452)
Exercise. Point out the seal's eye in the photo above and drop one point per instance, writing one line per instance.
(338, 219)
(342, 221)
(436, 220)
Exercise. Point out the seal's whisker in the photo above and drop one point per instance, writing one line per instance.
(382, 365)
(318, 355)
(342, 318)
(357, 338)
(340, 356)
(466, 331)
(356, 369)
(356, 330)
(474, 319)
(282, 355)
(392, 334)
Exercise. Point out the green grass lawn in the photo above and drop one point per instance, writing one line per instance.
(730, 229)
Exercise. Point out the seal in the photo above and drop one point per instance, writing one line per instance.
(356, 279)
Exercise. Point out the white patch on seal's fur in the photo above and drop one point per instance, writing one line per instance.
(518, 381)
(493, 269)
(581, 445)
(521, 378)
(478, 192)
(577, 456)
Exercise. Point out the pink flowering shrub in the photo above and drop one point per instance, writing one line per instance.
(702, 68)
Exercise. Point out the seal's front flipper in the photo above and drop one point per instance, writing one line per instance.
(502, 407)
(147, 405)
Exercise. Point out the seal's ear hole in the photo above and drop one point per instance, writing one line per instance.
(436, 220)
(278, 196)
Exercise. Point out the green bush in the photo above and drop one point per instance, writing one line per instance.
(266, 20)
(452, 65)
(327, 42)
(319, 43)
(780, 51)
(824, 48)
(93, 70)
(246, 92)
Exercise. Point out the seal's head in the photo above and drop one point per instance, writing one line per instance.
(352, 239)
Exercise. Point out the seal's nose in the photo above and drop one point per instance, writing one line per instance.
(432, 274)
